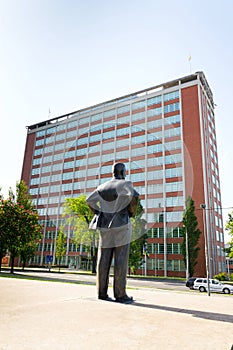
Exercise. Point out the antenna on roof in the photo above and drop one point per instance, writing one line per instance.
(190, 66)
(49, 113)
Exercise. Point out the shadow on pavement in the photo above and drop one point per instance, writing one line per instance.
(201, 314)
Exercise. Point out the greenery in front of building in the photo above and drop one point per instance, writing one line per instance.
(61, 243)
(223, 276)
(78, 217)
(19, 225)
(190, 230)
(138, 240)
(229, 228)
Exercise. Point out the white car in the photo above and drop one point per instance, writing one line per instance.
(215, 286)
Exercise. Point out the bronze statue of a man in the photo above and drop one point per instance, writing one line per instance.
(113, 203)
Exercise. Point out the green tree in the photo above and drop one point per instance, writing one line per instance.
(190, 224)
(19, 221)
(3, 236)
(27, 252)
(79, 216)
(229, 228)
(61, 243)
(138, 240)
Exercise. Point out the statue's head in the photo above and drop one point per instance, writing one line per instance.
(119, 170)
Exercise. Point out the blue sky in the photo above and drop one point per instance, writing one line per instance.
(63, 55)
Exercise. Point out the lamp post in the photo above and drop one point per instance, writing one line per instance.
(203, 207)
(228, 266)
(187, 253)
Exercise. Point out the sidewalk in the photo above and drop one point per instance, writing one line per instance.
(43, 315)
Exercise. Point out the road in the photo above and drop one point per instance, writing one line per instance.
(73, 276)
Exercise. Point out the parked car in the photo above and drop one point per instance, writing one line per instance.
(215, 286)
(190, 282)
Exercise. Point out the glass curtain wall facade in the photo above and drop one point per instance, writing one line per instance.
(73, 154)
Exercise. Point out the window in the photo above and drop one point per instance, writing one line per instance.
(137, 152)
(95, 138)
(174, 186)
(123, 109)
(174, 232)
(172, 107)
(173, 172)
(35, 181)
(36, 161)
(154, 112)
(175, 265)
(154, 100)
(109, 113)
(154, 203)
(173, 158)
(159, 248)
(172, 120)
(154, 161)
(137, 116)
(172, 145)
(39, 142)
(138, 139)
(51, 130)
(174, 248)
(174, 201)
(137, 177)
(171, 96)
(68, 165)
(154, 124)
(69, 154)
(55, 167)
(70, 134)
(123, 131)
(172, 132)
(155, 175)
(40, 133)
(67, 176)
(49, 140)
(96, 117)
(138, 105)
(157, 188)
(48, 149)
(35, 171)
(122, 143)
(59, 146)
(108, 135)
(174, 216)
(72, 124)
(34, 191)
(61, 127)
(66, 187)
(83, 121)
(155, 148)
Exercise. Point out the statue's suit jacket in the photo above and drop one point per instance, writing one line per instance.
(113, 203)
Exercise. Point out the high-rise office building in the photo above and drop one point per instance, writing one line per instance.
(166, 137)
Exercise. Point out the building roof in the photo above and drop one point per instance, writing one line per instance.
(131, 96)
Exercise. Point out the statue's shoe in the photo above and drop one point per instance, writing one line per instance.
(125, 300)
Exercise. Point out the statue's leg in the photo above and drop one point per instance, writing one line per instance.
(121, 255)
(103, 267)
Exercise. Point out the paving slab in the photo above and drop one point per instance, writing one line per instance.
(40, 315)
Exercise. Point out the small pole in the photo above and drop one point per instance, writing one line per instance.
(203, 207)
(187, 253)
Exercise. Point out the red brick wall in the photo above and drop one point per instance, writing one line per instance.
(29, 148)
(193, 162)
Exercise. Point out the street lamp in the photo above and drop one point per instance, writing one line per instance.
(187, 253)
(228, 266)
(203, 207)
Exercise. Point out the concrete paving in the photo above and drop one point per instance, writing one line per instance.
(60, 316)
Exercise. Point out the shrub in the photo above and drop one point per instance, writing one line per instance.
(222, 276)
